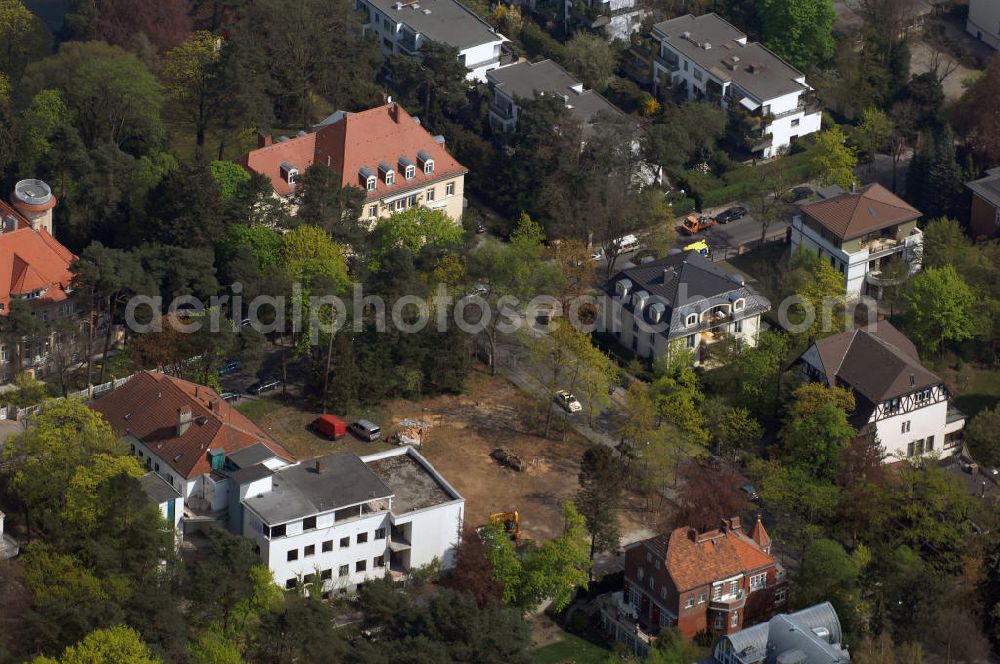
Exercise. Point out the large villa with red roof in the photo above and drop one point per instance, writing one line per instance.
(34, 267)
(721, 581)
(384, 151)
(188, 434)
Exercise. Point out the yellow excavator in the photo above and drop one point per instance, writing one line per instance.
(511, 523)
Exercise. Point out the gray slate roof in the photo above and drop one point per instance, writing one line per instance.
(789, 632)
(772, 77)
(299, 491)
(444, 21)
(988, 188)
(685, 284)
(526, 80)
(157, 488)
(251, 456)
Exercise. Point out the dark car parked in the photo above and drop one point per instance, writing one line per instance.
(732, 214)
(228, 367)
(265, 385)
(799, 193)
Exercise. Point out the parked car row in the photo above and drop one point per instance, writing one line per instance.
(334, 428)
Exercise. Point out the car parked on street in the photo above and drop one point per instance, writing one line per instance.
(263, 386)
(731, 214)
(231, 396)
(228, 367)
(568, 402)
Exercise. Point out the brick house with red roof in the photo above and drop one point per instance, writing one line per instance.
(189, 435)
(384, 151)
(34, 267)
(720, 581)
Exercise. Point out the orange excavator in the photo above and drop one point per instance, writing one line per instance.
(511, 523)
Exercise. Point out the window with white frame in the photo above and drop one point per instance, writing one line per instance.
(449, 189)
(428, 167)
(758, 582)
(373, 211)
(390, 178)
(430, 194)
(739, 304)
(905, 427)
(691, 319)
(717, 591)
(734, 587)
(411, 172)
(689, 342)
(735, 619)
(689, 603)
(702, 597)
(371, 183)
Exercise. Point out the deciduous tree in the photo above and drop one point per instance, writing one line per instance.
(941, 308)
(599, 497)
(801, 31)
(834, 159)
(188, 74)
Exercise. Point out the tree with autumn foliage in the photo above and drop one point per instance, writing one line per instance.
(473, 573)
(188, 75)
(707, 493)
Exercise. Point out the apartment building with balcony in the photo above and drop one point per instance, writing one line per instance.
(343, 519)
(513, 83)
(859, 232)
(809, 636)
(720, 580)
(384, 151)
(984, 21)
(898, 401)
(683, 301)
(403, 27)
(705, 57)
(616, 19)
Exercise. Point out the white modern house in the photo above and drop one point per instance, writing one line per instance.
(897, 400)
(706, 57)
(344, 519)
(984, 21)
(859, 232)
(617, 19)
(167, 499)
(681, 301)
(511, 84)
(403, 27)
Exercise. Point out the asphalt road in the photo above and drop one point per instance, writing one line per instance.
(734, 234)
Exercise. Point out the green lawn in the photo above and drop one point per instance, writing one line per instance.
(572, 649)
(258, 408)
(978, 389)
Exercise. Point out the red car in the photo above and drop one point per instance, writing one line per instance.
(329, 426)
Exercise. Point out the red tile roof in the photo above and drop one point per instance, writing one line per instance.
(147, 407)
(759, 535)
(358, 140)
(697, 559)
(853, 214)
(31, 261)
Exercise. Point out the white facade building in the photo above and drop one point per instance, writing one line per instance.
(617, 19)
(682, 301)
(345, 519)
(167, 499)
(897, 400)
(403, 27)
(984, 21)
(528, 80)
(859, 233)
(705, 57)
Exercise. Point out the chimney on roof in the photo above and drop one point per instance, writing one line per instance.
(319, 467)
(854, 187)
(394, 111)
(184, 420)
(263, 139)
(693, 534)
(732, 523)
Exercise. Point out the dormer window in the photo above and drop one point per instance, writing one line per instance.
(407, 168)
(388, 175)
(288, 172)
(425, 161)
(739, 304)
(367, 177)
(692, 319)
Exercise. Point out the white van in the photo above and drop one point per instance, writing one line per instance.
(628, 243)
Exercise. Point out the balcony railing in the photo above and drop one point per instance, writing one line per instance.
(728, 602)
(666, 64)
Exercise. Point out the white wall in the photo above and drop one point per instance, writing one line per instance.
(924, 422)
(274, 552)
(434, 533)
(984, 21)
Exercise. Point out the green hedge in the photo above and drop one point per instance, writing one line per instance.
(684, 206)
